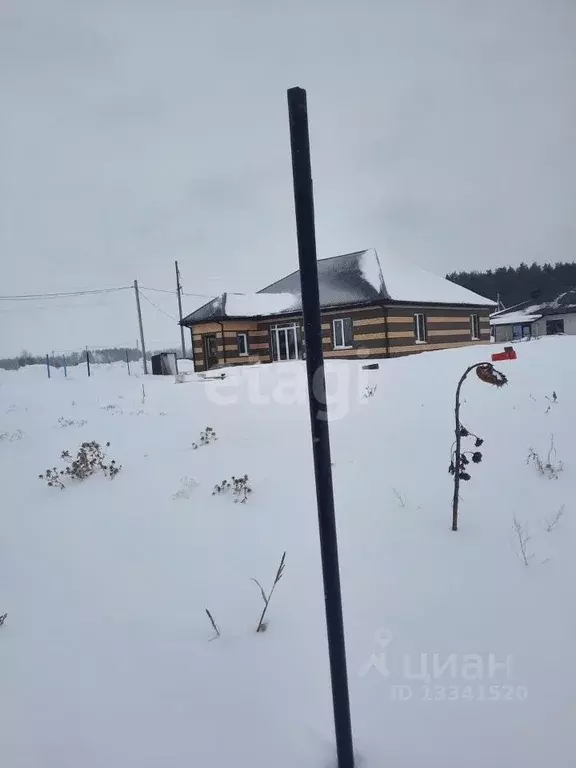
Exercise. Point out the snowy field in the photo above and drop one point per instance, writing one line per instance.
(458, 653)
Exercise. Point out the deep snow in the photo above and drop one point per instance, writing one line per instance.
(105, 657)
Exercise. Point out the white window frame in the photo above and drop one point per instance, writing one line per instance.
(245, 337)
(417, 335)
(475, 336)
(339, 323)
(290, 331)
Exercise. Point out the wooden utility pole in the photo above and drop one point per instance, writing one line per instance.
(145, 363)
(179, 292)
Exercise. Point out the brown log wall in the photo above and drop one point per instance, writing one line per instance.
(378, 332)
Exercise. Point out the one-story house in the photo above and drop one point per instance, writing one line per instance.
(370, 309)
(529, 320)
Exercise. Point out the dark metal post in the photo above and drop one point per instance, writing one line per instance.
(304, 205)
(65, 369)
(128, 362)
(88, 362)
(48, 365)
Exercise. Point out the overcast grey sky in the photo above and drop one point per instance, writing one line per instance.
(136, 132)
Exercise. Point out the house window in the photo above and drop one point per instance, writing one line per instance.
(420, 329)
(342, 335)
(242, 339)
(475, 327)
(554, 326)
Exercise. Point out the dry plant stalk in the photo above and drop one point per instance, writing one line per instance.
(262, 625)
(551, 523)
(214, 625)
(523, 541)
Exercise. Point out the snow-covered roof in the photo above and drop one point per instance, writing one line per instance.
(355, 278)
(348, 279)
(258, 304)
(513, 318)
(407, 282)
(365, 276)
(563, 304)
(229, 305)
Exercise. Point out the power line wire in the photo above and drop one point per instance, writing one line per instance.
(159, 290)
(92, 292)
(30, 296)
(163, 290)
(32, 306)
(156, 306)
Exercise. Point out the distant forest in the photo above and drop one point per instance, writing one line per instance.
(513, 285)
(75, 358)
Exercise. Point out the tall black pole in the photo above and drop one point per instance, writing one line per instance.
(87, 361)
(179, 293)
(304, 205)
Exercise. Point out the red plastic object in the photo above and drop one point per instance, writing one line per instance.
(508, 354)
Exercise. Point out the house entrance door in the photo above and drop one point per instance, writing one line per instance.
(210, 354)
(285, 342)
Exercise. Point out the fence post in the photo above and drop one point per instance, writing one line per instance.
(128, 362)
(306, 236)
(48, 364)
(88, 362)
(65, 369)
